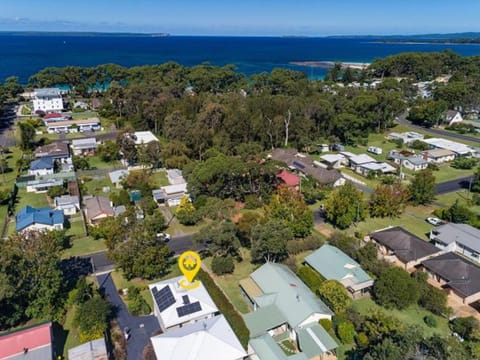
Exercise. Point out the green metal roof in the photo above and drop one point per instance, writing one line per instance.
(265, 300)
(263, 320)
(267, 349)
(333, 264)
(314, 340)
(294, 299)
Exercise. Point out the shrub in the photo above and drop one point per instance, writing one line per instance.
(334, 295)
(396, 289)
(464, 163)
(362, 340)
(226, 308)
(433, 167)
(136, 303)
(430, 321)
(296, 246)
(223, 265)
(326, 324)
(252, 202)
(55, 191)
(310, 277)
(91, 318)
(466, 327)
(346, 332)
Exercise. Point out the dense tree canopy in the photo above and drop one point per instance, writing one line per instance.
(345, 206)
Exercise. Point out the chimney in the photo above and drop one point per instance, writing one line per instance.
(425, 155)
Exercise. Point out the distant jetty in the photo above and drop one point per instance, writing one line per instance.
(330, 64)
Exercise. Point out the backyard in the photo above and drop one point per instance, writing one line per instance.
(229, 283)
(412, 316)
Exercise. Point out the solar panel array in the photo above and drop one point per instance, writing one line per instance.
(189, 309)
(164, 298)
(185, 299)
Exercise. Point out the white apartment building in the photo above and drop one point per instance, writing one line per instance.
(47, 100)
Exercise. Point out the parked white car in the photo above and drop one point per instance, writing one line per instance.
(434, 221)
(374, 150)
(166, 237)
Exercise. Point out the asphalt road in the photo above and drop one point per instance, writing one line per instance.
(454, 185)
(141, 327)
(177, 245)
(403, 121)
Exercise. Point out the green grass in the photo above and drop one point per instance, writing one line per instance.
(97, 163)
(95, 185)
(82, 246)
(412, 316)
(84, 115)
(463, 196)
(176, 228)
(446, 172)
(160, 178)
(73, 338)
(371, 183)
(229, 283)
(413, 219)
(76, 228)
(30, 198)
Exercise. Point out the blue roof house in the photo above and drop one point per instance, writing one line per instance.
(33, 219)
(333, 264)
(42, 166)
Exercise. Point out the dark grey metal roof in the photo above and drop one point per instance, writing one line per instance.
(460, 274)
(404, 244)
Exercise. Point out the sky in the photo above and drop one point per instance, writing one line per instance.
(243, 17)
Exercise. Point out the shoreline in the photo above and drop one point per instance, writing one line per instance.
(330, 64)
(421, 42)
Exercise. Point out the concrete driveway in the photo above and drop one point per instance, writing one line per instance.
(141, 327)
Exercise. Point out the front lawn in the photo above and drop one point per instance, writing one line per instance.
(412, 316)
(83, 246)
(446, 173)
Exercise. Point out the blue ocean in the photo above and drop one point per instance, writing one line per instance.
(24, 55)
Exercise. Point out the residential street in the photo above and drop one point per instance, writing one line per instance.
(453, 185)
(141, 327)
(437, 132)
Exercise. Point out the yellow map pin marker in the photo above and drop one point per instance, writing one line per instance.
(189, 263)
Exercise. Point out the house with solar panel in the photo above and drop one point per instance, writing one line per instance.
(333, 264)
(285, 310)
(175, 307)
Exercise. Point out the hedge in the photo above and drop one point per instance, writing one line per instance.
(310, 277)
(226, 308)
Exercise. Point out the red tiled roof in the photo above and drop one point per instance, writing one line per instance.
(16, 342)
(53, 116)
(288, 178)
